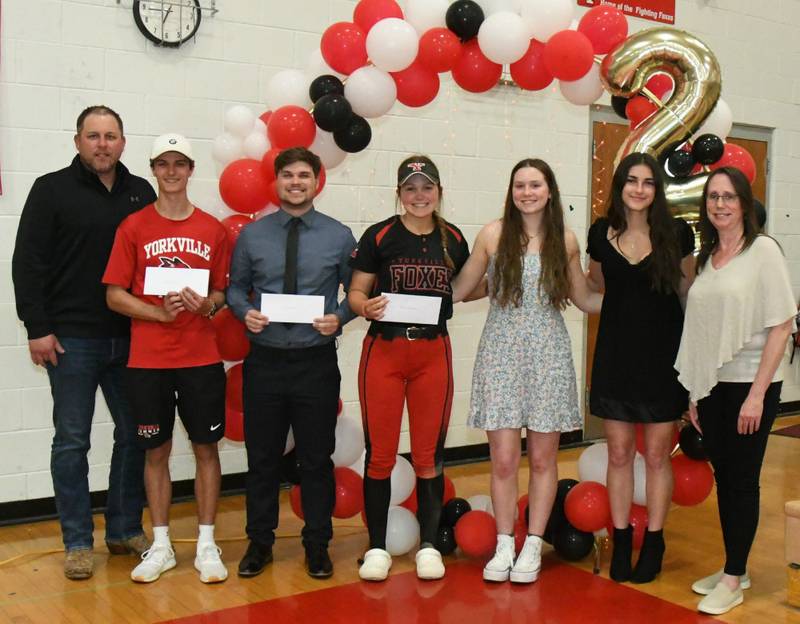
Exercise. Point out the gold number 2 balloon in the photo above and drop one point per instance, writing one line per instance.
(696, 73)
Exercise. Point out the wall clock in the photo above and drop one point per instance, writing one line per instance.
(168, 23)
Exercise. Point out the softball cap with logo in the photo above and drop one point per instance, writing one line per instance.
(171, 142)
(417, 164)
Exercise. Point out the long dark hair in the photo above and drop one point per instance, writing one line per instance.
(553, 279)
(709, 238)
(664, 264)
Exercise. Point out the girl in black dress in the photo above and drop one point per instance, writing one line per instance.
(642, 257)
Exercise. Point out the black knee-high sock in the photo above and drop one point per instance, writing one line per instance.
(377, 493)
(429, 507)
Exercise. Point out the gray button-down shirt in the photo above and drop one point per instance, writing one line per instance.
(258, 265)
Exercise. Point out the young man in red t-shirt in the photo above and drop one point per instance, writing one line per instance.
(174, 360)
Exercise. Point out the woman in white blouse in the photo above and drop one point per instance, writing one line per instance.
(739, 317)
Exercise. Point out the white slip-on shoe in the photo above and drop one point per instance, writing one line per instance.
(429, 564)
(376, 566)
(706, 585)
(529, 562)
(499, 567)
(209, 564)
(155, 561)
(721, 600)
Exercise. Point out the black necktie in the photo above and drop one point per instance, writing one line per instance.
(290, 273)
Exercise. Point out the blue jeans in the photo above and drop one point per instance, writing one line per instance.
(87, 363)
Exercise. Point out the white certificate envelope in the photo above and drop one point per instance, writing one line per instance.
(292, 308)
(412, 309)
(161, 280)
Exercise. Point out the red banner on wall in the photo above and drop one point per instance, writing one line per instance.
(655, 10)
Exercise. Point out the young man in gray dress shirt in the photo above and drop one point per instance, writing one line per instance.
(291, 376)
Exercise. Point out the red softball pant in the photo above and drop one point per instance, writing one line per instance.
(392, 372)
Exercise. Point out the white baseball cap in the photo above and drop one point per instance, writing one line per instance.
(171, 142)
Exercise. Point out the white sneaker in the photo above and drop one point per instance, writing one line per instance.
(706, 585)
(720, 600)
(429, 564)
(376, 566)
(209, 564)
(499, 567)
(529, 562)
(155, 561)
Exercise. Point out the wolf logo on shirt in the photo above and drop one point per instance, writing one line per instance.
(173, 263)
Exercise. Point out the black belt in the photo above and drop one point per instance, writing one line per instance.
(409, 332)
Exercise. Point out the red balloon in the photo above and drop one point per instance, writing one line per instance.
(243, 186)
(339, 407)
(349, 493)
(368, 12)
(660, 85)
(233, 388)
(605, 27)
(638, 109)
(234, 224)
(530, 72)
(344, 47)
(321, 178)
(411, 502)
(587, 507)
(439, 49)
(273, 198)
(522, 505)
(268, 163)
(739, 157)
(416, 85)
(520, 533)
(693, 480)
(449, 489)
(231, 337)
(473, 71)
(476, 534)
(291, 126)
(568, 55)
(296, 502)
(234, 425)
(265, 116)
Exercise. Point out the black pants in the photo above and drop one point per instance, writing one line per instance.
(737, 463)
(297, 388)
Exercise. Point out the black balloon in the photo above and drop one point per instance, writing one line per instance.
(332, 112)
(708, 149)
(290, 468)
(680, 163)
(325, 85)
(691, 443)
(446, 540)
(464, 18)
(355, 136)
(618, 103)
(572, 544)
(558, 517)
(453, 510)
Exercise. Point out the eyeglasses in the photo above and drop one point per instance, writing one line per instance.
(727, 198)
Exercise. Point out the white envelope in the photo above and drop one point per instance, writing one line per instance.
(292, 308)
(161, 280)
(412, 309)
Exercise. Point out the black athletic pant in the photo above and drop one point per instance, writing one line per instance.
(297, 388)
(737, 460)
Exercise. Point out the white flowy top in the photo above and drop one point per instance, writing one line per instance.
(729, 309)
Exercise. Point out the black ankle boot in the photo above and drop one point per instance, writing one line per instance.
(621, 555)
(649, 564)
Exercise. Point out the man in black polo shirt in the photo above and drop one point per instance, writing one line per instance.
(65, 235)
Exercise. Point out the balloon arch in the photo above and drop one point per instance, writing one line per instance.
(664, 81)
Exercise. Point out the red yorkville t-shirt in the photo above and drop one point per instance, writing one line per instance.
(146, 239)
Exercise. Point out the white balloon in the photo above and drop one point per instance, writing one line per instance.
(584, 90)
(227, 148)
(403, 480)
(426, 14)
(259, 125)
(349, 441)
(402, 531)
(719, 122)
(289, 442)
(256, 144)
(639, 480)
(289, 86)
(483, 502)
(370, 91)
(392, 44)
(316, 66)
(503, 37)
(545, 18)
(358, 465)
(593, 463)
(325, 147)
(490, 7)
(239, 120)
